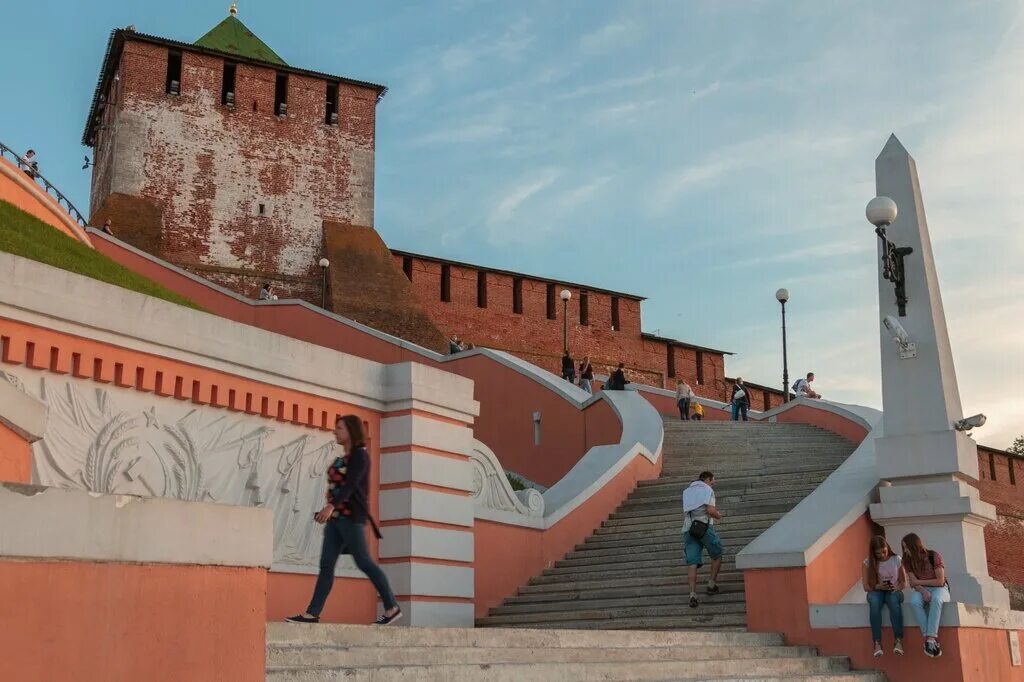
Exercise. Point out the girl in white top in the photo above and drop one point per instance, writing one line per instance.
(884, 579)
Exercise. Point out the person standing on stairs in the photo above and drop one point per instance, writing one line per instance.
(684, 394)
(586, 375)
(884, 578)
(740, 399)
(344, 520)
(699, 515)
(568, 368)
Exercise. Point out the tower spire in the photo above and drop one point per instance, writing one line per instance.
(233, 10)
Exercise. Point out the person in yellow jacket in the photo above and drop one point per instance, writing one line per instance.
(698, 411)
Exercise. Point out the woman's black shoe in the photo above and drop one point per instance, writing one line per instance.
(303, 618)
(388, 620)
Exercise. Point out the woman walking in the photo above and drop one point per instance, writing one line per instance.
(684, 394)
(926, 574)
(884, 578)
(344, 518)
(586, 375)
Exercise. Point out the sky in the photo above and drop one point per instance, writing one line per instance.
(700, 153)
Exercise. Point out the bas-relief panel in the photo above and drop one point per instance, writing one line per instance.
(113, 440)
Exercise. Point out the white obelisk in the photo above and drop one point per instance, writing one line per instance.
(927, 462)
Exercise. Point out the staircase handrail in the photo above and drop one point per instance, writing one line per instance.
(49, 186)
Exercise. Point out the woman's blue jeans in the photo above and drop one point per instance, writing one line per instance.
(894, 600)
(343, 536)
(928, 615)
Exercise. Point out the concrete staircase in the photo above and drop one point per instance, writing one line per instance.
(630, 573)
(352, 653)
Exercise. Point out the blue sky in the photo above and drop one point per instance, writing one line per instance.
(703, 154)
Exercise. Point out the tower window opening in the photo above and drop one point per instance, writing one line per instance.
(173, 85)
(446, 283)
(227, 88)
(331, 115)
(517, 295)
(281, 94)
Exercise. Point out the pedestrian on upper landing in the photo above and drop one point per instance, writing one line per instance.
(740, 399)
(30, 164)
(344, 519)
(699, 514)
(568, 368)
(267, 292)
(698, 411)
(586, 374)
(926, 575)
(802, 387)
(617, 381)
(684, 394)
(455, 345)
(106, 227)
(884, 578)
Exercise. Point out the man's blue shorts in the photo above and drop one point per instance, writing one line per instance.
(694, 548)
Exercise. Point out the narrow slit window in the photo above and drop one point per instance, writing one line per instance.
(262, 208)
(517, 295)
(671, 360)
(552, 309)
(615, 313)
(173, 72)
(584, 308)
(446, 283)
(331, 115)
(407, 267)
(1009, 470)
(281, 94)
(227, 88)
(992, 465)
(766, 396)
(481, 289)
(700, 367)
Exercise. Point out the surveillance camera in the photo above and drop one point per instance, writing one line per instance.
(899, 334)
(975, 422)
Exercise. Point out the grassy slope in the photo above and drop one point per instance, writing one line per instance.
(26, 236)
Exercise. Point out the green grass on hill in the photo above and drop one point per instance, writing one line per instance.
(24, 235)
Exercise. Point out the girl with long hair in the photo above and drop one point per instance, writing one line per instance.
(926, 575)
(884, 578)
(344, 519)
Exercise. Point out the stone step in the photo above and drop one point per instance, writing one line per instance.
(733, 580)
(601, 591)
(663, 568)
(673, 552)
(661, 540)
(706, 669)
(326, 634)
(693, 618)
(759, 512)
(732, 601)
(749, 499)
(326, 656)
(729, 622)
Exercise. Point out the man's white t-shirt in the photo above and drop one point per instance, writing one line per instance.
(697, 498)
(802, 387)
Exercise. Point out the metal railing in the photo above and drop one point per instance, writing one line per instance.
(50, 188)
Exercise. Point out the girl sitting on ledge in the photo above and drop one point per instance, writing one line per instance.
(927, 576)
(884, 578)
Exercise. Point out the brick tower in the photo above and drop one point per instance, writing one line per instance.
(223, 159)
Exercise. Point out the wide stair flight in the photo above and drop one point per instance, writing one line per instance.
(630, 573)
(354, 653)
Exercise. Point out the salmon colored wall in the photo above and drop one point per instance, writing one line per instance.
(506, 557)
(837, 424)
(96, 622)
(18, 189)
(666, 405)
(59, 353)
(352, 600)
(15, 457)
(508, 399)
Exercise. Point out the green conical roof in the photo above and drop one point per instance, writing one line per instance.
(233, 37)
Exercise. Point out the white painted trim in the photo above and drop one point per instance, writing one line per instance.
(430, 543)
(436, 614)
(954, 614)
(406, 467)
(20, 412)
(73, 525)
(413, 429)
(430, 580)
(426, 505)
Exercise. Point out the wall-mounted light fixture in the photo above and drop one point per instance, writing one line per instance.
(881, 212)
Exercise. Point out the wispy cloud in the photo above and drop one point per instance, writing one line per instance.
(471, 132)
(611, 36)
(512, 200)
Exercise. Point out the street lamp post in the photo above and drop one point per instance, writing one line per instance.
(324, 264)
(782, 296)
(565, 296)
